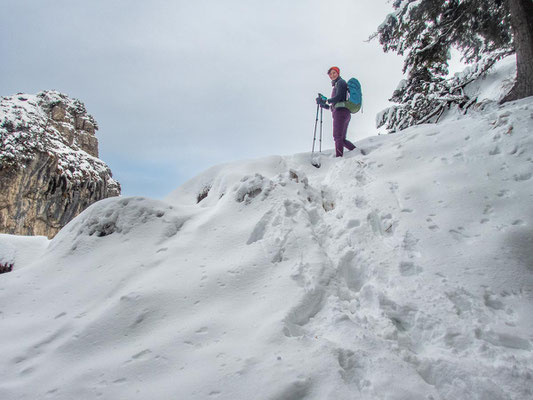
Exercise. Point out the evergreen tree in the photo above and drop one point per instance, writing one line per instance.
(424, 31)
(522, 23)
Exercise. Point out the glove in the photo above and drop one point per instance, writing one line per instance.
(321, 101)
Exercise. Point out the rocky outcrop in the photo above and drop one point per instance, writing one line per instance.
(49, 170)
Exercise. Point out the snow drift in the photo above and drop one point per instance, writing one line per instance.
(403, 271)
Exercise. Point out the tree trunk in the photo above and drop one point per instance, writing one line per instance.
(522, 23)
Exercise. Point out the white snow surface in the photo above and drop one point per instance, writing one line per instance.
(495, 85)
(402, 271)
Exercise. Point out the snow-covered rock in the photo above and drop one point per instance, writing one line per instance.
(49, 170)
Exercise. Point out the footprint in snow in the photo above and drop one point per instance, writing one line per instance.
(360, 202)
(351, 366)
(408, 268)
(393, 186)
(141, 355)
(409, 244)
(402, 317)
(296, 390)
(504, 193)
(525, 176)
(354, 271)
(459, 234)
(488, 209)
(514, 150)
(353, 223)
(495, 151)
(361, 179)
(501, 339)
(433, 227)
(382, 225)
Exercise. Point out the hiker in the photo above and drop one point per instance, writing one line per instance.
(341, 115)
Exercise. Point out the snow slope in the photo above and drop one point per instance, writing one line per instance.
(405, 272)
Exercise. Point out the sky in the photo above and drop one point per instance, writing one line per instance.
(179, 86)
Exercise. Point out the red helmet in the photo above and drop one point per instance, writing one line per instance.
(334, 69)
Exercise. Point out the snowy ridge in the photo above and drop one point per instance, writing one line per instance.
(402, 273)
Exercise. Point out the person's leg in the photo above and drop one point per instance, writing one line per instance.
(349, 145)
(339, 147)
(338, 124)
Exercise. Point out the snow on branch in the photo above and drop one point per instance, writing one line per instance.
(420, 101)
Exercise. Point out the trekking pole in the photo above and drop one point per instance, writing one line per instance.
(321, 113)
(313, 162)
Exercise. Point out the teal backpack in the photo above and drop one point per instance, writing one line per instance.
(355, 98)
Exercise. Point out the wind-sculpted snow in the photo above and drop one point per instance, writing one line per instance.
(122, 216)
(402, 271)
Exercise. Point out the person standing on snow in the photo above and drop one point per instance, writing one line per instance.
(341, 115)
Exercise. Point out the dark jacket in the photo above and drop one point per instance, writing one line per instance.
(340, 91)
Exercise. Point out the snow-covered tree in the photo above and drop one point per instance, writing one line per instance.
(424, 31)
(522, 24)
(424, 98)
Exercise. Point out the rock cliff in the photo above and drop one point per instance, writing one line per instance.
(49, 166)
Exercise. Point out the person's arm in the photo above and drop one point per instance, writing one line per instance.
(342, 88)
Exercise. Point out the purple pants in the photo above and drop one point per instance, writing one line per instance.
(341, 119)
